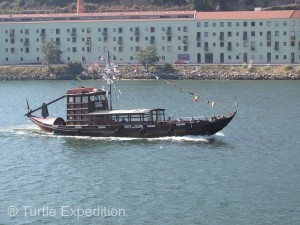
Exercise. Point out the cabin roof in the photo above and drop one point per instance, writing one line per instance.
(123, 111)
(84, 90)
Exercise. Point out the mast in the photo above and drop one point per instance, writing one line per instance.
(110, 79)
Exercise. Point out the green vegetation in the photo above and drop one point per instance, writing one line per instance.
(167, 68)
(147, 56)
(51, 53)
(58, 6)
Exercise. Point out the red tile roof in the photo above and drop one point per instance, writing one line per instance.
(232, 15)
(101, 14)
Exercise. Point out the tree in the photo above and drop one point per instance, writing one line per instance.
(75, 68)
(51, 53)
(147, 56)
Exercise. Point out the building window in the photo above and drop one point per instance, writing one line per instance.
(229, 24)
(74, 40)
(26, 50)
(185, 29)
(152, 29)
(269, 44)
(245, 44)
(88, 30)
(284, 57)
(245, 23)
(57, 31)
(292, 23)
(120, 30)
(253, 33)
(229, 33)
(37, 59)
(214, 24)
(260, 23)
(12, 50)
(89, 49)
(26, 31)
(83, 49)
(169, 38)
(276, 23)
(292, 43)
(198, 24)
(198, 44)
(73, 49)
(205, 24)
(221, 24)
(21, 59)
(99, 29)
(252, 23)
(277, 33)
(185, 48)
(268, 23)
(205, 34)
(237, 24)
(221, 44)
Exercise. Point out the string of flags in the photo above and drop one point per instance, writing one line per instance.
(195, 96)
(112, 68)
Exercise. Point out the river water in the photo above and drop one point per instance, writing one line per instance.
(246, 174)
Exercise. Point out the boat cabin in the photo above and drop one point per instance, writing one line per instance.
(130, 116)
(89, 107)
(82, 101)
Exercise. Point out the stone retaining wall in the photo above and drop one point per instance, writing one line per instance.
(198, 72)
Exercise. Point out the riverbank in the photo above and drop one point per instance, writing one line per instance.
(196, 72)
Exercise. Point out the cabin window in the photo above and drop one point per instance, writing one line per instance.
(85, 99)
(77, 99)
(71, 99)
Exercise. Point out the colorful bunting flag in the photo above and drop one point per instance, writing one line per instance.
(213, 103)
(196, 98)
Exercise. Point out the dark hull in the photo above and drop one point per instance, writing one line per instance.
(201, 127)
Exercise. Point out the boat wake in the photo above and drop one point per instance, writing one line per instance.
(33, 131)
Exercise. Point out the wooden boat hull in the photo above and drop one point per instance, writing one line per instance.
(201, 127)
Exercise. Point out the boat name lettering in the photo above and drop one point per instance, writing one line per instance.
(102, 127)
(133, 126)
(151, 126)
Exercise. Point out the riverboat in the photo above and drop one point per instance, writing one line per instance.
(89, 113)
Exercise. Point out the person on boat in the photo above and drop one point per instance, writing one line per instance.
(214, 118)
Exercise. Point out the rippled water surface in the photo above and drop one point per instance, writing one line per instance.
(246, 174)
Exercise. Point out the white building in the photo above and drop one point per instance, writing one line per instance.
(271, 37)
